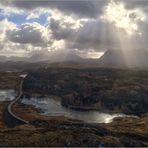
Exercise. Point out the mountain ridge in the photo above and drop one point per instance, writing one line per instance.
(111, 58)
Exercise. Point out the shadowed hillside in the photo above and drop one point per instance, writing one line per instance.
(129, 58)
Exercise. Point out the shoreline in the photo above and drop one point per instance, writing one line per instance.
(84, 108)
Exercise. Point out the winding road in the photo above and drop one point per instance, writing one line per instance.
(11, 119)
(14, 101)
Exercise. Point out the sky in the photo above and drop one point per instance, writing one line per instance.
(85, 27)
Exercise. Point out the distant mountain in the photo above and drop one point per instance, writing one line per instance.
(48, 57)
(61, 57)
(55, 57)
(129, 58)
(111, 58)
(3, 58)
(12, 58)
(39, 57)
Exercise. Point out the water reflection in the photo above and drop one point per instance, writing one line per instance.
(23, 75)
(7, 95)
(53, 107)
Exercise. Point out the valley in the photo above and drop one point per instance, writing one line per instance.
(73, 73)
(46, 130)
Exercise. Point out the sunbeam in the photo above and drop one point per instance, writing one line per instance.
(115, 12)
(126, 27)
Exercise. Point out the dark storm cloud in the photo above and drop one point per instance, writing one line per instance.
(94, 34)
(59, 32)
(87, 8)
(28, 33)
(142, 40)
(81, 8)
(131, 4)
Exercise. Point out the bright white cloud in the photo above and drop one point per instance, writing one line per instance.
(67, 30)
(36, 13)
(29, 33)
(89, 53)
(66, 21)
(5, 25)
(115, 12)
(19, 40)
(8, 10)
(58, 45)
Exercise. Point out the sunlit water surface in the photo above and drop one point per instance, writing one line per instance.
(7, 95)
(53, 107)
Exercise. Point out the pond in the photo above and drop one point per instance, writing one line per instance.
(52, 107)
(7, 95)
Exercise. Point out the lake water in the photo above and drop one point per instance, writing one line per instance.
(52, 107)
(23, 75)
(7, 95)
